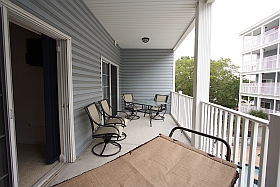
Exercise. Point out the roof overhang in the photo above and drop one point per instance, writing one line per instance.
(166, 23)
(257, 25)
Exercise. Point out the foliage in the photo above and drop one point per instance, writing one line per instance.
(184, 73)
(224, 82)
(259, 113)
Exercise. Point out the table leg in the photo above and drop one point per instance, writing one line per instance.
(150, 113)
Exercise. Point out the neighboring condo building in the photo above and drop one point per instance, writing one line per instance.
(260, 69)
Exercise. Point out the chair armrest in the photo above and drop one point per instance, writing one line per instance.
(206, 135)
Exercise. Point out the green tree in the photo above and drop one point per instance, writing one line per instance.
(184, 75)
(224, 82)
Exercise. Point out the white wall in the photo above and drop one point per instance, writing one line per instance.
(28, 87)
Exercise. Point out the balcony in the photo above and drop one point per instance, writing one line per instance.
(268, 63)
(270, 35)
(269, 89)
(251, 42)
(245, 108)
(247, 135)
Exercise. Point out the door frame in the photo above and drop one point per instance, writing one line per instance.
(17, 15)
(105, 60)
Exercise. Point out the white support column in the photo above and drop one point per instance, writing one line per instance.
(275, 83)
(260, 66)
(262, 32)
(201, 63)
(240, 87)
(278, 54)
(259, 91)
(273, 155)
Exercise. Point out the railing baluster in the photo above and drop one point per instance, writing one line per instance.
(208, 129)
(243, 151)
(236, 140)
(220, 131)
(215, 130)
(230, 129)
(203, 123)
(211, 129)
(252, 154)
(225, 118)
(263, 156)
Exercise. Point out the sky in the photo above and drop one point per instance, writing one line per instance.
(229, 18)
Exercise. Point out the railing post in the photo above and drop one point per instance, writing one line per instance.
(273, 155)
(179, 93)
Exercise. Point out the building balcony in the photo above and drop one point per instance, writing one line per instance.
(270, 35)
(268, 89)
(268, 63)
(251, 42)
(247, 108)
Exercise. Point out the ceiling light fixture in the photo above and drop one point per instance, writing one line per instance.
(145, 39)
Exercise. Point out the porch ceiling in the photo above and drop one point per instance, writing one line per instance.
(165, 22)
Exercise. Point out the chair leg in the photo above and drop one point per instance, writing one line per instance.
(105, 142)
(122, 137)
(132, 116)
(157, 116)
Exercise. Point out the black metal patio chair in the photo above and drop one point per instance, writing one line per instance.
(110, 133)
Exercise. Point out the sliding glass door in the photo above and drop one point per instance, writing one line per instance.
(110, 83)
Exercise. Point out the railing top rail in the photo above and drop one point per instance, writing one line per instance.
(250, 117)
(182, 94)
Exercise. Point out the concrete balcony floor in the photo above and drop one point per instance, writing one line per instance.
(138, 132)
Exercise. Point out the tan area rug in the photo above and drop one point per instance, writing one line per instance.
(160, 162)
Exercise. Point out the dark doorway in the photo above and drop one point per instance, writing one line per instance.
(36, 102)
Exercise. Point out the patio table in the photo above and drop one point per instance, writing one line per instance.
(148, 104)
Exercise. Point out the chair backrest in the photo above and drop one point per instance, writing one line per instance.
(94, 115)
(106, 108)
(128, 99)
(161, 98)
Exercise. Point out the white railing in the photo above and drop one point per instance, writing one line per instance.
(270, 36)
(278, 89)
(181, 109)
(265, 88)
(269, 63)
(253, 41)
(245, 108)
(250, 65)
(233, 126)
(249, 88)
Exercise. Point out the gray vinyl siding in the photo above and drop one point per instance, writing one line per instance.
(145, 73)
(89, 41)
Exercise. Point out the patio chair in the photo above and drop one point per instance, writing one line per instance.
(129, 105)
(106, 111)
(161, 108)
(109, 133)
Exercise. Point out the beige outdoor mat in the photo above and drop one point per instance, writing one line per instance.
(160, 162)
